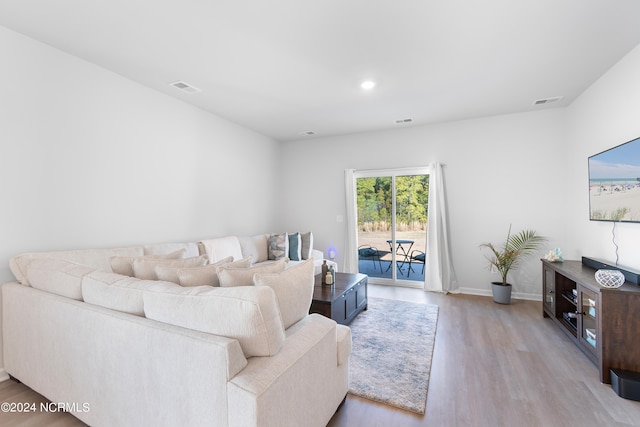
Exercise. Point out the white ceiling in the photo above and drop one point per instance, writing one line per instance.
(284, 67)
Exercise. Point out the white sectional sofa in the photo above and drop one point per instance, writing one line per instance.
(130, 351)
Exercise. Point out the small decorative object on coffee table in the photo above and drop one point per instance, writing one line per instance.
(325, 269)
(343, 300)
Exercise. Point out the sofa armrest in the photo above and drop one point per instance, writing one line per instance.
(317, 255)
(301, 385)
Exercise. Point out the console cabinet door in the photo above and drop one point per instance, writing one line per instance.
(588, 302)
(548, 292)
(361, 294)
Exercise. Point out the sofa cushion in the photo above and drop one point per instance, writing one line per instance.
(295, 247)
(124, 264)
(278, 246)
(220, 248)
(118, 292)
(145, 268)
(191, 249)
(233, 276)
(307, 245)
(249, 314)
(58, 276)
(96, 258)
(255, 246)
(293, 288)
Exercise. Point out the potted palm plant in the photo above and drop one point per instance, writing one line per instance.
(508, 257)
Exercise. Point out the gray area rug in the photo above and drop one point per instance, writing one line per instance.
(392, 349)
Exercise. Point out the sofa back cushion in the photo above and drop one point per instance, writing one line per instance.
(293, 288)
(97, 258)
(118, 292)
(232, 276)
(248, 314)
(58, 276)
(217, 249)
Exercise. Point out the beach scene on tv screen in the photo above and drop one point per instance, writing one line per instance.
(614, 183)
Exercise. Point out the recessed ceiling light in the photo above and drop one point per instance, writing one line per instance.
(368, 84)
(547, 100)
(308, 133)
(184, 86)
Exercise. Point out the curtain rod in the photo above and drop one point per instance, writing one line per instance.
(395, 169)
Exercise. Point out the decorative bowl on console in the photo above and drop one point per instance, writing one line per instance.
(610, 278)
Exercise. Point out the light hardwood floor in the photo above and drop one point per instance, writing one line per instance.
(493, 365)
(499, 365)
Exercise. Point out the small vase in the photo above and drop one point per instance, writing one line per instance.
(501, 293)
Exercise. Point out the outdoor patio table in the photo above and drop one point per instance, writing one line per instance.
(403, 249)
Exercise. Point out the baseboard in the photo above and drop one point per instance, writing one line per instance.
(474, 291)
(3, 375)
(488, 293)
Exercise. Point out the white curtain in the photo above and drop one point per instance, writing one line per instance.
(351, 243)
(440, 276)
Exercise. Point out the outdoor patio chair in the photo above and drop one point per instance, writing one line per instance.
(369, 252)
(418, 257)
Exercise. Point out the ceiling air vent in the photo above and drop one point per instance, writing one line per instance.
(547, 100)
(185, 87)
(308, 133)
(401, 121)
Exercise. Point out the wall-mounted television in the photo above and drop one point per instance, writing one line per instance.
(614, 183)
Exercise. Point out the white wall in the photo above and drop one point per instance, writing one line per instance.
(499, 171)
(90, 159)
(605, 115)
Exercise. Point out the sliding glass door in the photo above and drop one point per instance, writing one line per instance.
(392, 222)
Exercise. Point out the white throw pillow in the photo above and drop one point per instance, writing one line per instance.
(124, 264)
(208, 274)
(248, 314)
(220, 248)
(307, 245)
(232, 276)
(293, 288)
(255, 246)
(169, 273)
(145, 268)
(58, 276)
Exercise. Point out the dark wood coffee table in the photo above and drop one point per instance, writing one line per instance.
(343, 301)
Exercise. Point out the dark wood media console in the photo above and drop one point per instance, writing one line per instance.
(604, 323)
(343, 301)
